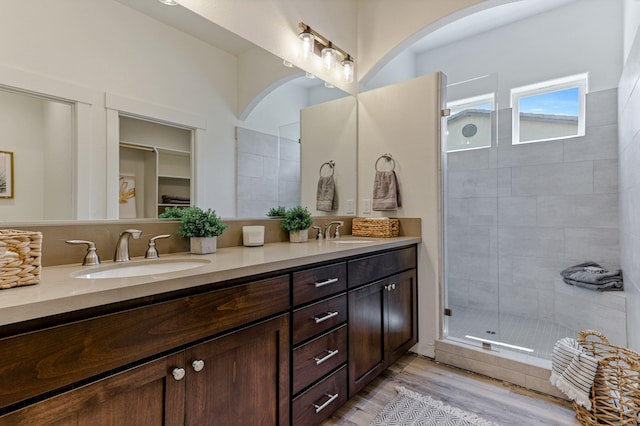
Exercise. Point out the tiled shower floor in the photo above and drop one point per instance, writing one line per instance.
(531, 333)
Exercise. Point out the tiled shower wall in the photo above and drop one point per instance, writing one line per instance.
(268, 173)
(518, 215)
(629, 111)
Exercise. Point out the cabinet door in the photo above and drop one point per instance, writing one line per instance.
(366, 337)
(401, 315)
(145, 395)
(241, 378)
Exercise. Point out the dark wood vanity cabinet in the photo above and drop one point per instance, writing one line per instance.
(382, 315)
(289, 349)
(319, 351)
(241, 372)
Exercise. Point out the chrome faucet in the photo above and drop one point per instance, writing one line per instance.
(122, 246)
(327, 229)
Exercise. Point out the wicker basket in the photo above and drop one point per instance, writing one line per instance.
(615, 395)
(20, 254)
(365, 227)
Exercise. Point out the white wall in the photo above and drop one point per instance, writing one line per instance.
(553, 44)
(412, 136)
(328, 131)
(631, 23)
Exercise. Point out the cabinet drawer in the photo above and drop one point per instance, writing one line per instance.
(316, 358)
(319, 317)
(312, 284)
(319, 402)
(378, 266)
(59, 356)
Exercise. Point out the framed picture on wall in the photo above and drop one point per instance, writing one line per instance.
(6, 174)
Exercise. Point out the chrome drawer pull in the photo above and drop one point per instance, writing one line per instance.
(330, 354)
(325, 282)
(326, 317)
(329, 401)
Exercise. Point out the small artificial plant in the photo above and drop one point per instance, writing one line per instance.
(296, 219)
(195, 222)
(279, 211)
(171, 213)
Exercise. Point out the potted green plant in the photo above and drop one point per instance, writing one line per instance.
(202, 227)
(297, 221)
(171, 213)
(279, 211)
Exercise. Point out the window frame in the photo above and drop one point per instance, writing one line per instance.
(469, 102)
(580, 81)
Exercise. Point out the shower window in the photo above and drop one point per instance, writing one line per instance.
(549, 110)
(469, 124)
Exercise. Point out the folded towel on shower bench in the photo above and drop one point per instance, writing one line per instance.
(592, 276)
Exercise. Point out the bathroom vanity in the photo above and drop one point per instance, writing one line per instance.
(280, 334)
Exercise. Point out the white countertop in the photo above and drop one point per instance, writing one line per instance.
(58, 292)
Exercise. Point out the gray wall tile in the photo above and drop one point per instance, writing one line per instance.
(602, 108)
(531, 241)
(473, 183)
(599, 143)
(605, 177)
(468, 160)
(530, 154)
(517, 211)
(553, 179)
(591, 210)
(593, 244)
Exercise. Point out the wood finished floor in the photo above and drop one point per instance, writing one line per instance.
(505, 404)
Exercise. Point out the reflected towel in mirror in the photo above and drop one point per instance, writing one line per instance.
(326, 194)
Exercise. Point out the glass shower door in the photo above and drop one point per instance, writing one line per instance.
(470, 198)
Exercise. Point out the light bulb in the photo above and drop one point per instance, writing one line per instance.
(169, 2)
(328, 85)
(309, 75)
(347, 70)
(287, 63)
(308, 41)
(328, 58)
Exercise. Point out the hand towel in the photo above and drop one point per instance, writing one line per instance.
(386, 191)
(592, 276)
(326, 194)
(573, 370)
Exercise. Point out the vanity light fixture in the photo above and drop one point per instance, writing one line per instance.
(314, 43)
(169, 2)
(287, 63)
(309, 75)
(308, 43)
(328, 57)
(328, 85)
(347, 69)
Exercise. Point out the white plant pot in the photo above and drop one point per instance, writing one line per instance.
(299, 236)
(203, 245)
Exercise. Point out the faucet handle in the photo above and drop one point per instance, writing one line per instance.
(91, 258)
(339, 225)
(152, 250)
(319, 234)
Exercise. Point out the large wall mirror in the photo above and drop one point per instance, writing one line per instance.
(66, 160)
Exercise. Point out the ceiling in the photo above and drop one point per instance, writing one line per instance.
(485, 20)
(191, 23)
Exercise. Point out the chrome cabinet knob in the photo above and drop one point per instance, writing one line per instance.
(178, 373)
(198, 365)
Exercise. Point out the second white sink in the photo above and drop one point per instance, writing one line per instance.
(135, 269)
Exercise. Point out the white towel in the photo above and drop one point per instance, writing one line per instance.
(573, 370)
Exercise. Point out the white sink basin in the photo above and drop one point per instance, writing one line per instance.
(136, 269)
(352, 241)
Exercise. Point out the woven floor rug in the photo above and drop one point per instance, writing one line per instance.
(410, 408)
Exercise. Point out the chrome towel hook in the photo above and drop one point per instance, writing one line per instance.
(387, 157)
(329, 163)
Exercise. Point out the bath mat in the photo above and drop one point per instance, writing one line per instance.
(409, 408)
